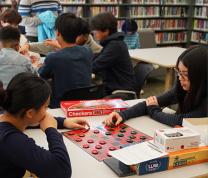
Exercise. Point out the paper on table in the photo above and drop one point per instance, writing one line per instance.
(137, 153)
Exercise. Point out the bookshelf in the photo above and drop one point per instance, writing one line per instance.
(175, 22)
(200, 22)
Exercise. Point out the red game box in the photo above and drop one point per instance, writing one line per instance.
(92, 107)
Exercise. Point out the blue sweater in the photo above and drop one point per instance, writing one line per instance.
(114, 64)
(69, 68)
(18, 152)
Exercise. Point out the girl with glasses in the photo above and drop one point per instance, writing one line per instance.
(189, 92)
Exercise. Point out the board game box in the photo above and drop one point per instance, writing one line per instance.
(100, 140)
(92, 107)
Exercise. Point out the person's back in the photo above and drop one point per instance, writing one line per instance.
(113, 63)
(11, 61)
(70, 68)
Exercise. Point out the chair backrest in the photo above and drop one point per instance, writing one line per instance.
(84, 93)
(147, 39)
(141, 70)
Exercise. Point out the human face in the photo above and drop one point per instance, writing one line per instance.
(101, 35)
(182, 73)
(81, 39)
(38, 115)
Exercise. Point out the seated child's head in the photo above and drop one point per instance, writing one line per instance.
(84, 33)
(104, 25)
(67, 27)
(129, 26)
(10, 17)
(9, 37)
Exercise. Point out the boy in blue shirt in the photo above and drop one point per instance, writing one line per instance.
(131, 38)
(70, 67)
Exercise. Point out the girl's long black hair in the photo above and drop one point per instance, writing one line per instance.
(196, 60)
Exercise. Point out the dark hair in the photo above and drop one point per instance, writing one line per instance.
(85, 28)
(129, 25)
(196, 60)
(69, 26)
(104, 21)
(11, 16)
(9, 33)
(24, 91)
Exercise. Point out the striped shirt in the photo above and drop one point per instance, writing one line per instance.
(132, 41)
(29, 10)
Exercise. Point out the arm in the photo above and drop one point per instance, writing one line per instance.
(156, 113)
(46, 70)
(106, 58)
(168, 98)
(23, 151)
(134, 111)
(40, 47)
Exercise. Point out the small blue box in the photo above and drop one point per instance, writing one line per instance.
(151, 166)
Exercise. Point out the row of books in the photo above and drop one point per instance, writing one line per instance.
(175, 11)
(201, 2)
(201, 12)
(166, 37)
(145, 11)
(145, 2)
(73, 1)
(201, 24)
(199, 37)
(97, 10)
(104, 1)
(174, 1)
(161, 24)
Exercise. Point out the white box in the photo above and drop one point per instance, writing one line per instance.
(175, 139)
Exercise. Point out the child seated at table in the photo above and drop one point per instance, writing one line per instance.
(71, 66)
(189, 92)
(25, 102)
(11, 61)
(129, 27)
(113, 63)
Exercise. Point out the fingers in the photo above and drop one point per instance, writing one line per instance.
(113, 119)
(152, 100)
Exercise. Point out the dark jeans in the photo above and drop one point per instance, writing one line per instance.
(32, 38)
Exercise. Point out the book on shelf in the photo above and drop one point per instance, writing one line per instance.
(99, 9)
(92, 107)
(150, 11)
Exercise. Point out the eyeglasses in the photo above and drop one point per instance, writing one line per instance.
(183, 74)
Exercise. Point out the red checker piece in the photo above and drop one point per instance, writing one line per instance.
(102, 142)
(95, 152)
(98, 146)
(78, 139)
(81, 135)
(90, 141)
(112, 148)
(86, 146)
(96, 131)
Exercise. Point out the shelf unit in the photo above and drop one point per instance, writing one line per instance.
(175, 22)
(200, 22)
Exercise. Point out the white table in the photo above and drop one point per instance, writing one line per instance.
(164, 57)
(84, 165)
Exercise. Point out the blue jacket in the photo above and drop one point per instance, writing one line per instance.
(69, 68)
(46, 30)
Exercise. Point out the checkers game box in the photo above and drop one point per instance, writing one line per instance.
(92, 107)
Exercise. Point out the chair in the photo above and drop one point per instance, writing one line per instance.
(84, 93)
(147, 39)
(142, 70)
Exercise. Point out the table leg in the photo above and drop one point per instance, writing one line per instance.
(169, 78)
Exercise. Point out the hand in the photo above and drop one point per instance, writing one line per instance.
(24, 49)
(113, 119)
(152, 100)
(52, 43)
(48, 121)
(76, 123)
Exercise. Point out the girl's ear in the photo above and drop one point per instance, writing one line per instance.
(29, 113)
